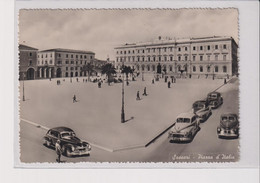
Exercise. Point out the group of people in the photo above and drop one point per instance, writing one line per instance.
(138, 94)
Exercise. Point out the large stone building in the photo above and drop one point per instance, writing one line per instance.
(62, 62)
(194, 56)
(27, 62)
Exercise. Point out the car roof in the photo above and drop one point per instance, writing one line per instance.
(185, 115)
(62, 129)
(200, 101)
(228, 114)
(213, 93)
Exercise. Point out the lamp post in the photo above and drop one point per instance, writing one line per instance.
(123, 102)
(23, 88)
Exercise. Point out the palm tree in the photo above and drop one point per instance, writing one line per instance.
(89, 68)
(109, 70)
(127, 70)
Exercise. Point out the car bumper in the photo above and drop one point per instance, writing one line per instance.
(79, 153)
(179, 139)
(223, 134)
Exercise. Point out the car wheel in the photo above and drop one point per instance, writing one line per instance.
(68, 151)
(47, 143)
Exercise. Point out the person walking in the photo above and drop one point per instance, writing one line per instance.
(169, 84)
(145, 94)
(225, 81)
(58, 150)
(138, 96)
(74, 99)
(153, 81)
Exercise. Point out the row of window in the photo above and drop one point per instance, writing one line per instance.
(194, 48)
(194, 68)
(165, 58)
(60, 62)
(72, 68)
(67, 56)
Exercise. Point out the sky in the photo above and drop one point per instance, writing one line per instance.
(101, 31)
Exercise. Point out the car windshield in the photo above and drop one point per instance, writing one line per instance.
(213, 95)
(183, 120)
(67, 134)
(228, 118)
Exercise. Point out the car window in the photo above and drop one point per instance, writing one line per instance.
(231, 118)
(183, 120)
(225, 118)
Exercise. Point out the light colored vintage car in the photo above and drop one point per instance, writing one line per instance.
(185, 128)
(202, 109)
(229, 126)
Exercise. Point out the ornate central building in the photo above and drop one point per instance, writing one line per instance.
(194, 56)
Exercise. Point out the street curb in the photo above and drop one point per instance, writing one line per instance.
(35, 124)
(160, 134)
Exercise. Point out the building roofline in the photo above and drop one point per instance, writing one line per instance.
(177, 41)
(28, 47)
(67, 50)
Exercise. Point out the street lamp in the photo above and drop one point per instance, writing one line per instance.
(123, 102)
(23, 88)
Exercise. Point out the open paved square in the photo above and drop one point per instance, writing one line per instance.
(96, 115)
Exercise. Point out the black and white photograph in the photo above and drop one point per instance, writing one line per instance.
(129, 85)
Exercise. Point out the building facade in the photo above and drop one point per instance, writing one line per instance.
(27, 62)
(194, 56)
(55, 63)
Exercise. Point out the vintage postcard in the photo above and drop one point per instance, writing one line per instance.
(129, 85)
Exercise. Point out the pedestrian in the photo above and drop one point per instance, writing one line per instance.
(99, 84)
(138, 96)
(145, 94)
(172, 79)
(74, 99)
(127, 83)
(153, 81)
(83, 80)
(77, 79)
(225, 81)
(71, 80)
(169, 84)
(166, 78)
(58, 150)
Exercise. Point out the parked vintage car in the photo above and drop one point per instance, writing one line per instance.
(202, 109)
(215, 99)
(185, 128)
(70, 144)
(229, 126)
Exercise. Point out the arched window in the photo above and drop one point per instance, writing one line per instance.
(185, 68)
(194, 68)
(208, 68)
(153, 67)
(201, 69)
(142, 67)
(170, 68)
(216, 68)
(148, 67)
(224, 68)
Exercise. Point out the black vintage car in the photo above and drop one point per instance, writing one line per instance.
(202, 109)
(214, 99)
(70, 144)
(229, 126)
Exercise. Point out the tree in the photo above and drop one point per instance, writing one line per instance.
(89, 68)
(127, 70)
(109, 70)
